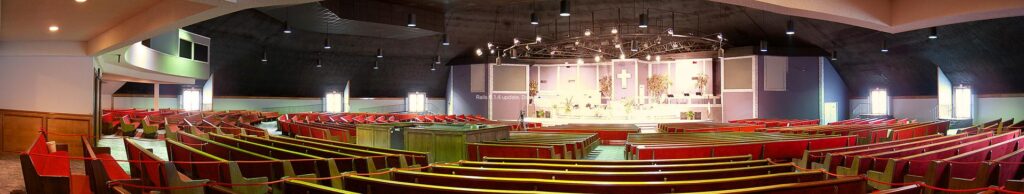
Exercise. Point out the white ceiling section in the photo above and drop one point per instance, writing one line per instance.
(892, 16)
(104, 25)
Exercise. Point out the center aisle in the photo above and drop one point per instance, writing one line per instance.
(607, 152)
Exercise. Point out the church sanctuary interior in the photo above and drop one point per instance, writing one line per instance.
(511, 96)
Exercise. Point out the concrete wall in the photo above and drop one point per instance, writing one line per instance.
(61, 84)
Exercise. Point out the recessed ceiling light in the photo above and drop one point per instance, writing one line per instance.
(54, 28)
(80, 1)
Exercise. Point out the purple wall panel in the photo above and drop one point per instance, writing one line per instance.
(507, 106)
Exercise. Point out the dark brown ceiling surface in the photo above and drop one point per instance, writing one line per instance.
(984, 54)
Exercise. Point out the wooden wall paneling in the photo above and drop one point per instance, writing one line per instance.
(20, 129)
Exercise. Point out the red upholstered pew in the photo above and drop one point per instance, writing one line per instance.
(225, 172)
(784, 150)
(970, 169)
(913, 163)
(46, 171)
(101, 168)
(861, 160)
(603, 186)
(156, 172)
(816, 157)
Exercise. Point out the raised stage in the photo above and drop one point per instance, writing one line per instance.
(645, 125)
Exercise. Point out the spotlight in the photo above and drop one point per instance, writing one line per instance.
(618, 45)
(671, 31)
(80, 1)
(934, 33)
(565, 9)
(643, 20)
(586, 32)
(597, 58)
(790, 30)
(515, 40)
(579, 61)
(538, 39)
(885, 46)
(412, 20)
(657, 58)
(764, 46)
(720, 37)
(622, 55)
(534, 19)
(479, 52)
(615, 30)
(648, 57)
(490, 45)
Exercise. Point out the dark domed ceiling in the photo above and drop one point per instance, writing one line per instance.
(985, 54)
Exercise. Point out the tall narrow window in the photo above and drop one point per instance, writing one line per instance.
(332, 102)
(962, 99)
(417, 102)
(879, 102)
(191, 99)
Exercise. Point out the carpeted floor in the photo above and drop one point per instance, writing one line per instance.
(608, 152)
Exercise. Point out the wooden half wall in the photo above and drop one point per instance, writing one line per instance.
(19, 128)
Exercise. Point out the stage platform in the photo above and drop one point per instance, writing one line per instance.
(645, 125)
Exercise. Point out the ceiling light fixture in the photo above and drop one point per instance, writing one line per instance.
(54, 28)
(790, 29)
(376, 64)
(764, 46)
(534, 19)
(319, 63)
(835, 55)
(327, 43)
(934, 33)
(657, 58)
(597, 58)
(885, 45)
(444, 40)
(437, 60)
(80, 1)
(264, 59)
(564, 9)
(643, 20)
(479, 52)
(412, 20)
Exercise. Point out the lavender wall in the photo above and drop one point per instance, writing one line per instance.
(507, 106)
(737, 105)
(463, 100)
(801, 98)
(834, 89)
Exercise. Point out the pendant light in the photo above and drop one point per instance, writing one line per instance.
(934, 33)
(376, 64)
(287, 27)
(643, 20)
(380, 53)
(790, 29)
(327, 35)
(835, 55)
(885, 45)
(411, 21)
(764, 46)
(564, 9)
(444, 40)
(264, 59)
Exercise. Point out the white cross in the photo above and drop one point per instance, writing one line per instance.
(624, 76)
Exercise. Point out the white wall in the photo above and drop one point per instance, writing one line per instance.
(61, 84)
(924, 109)
(141, 103)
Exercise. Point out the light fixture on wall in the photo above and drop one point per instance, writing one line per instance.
(564, 9)
(933, 33)
(411, 21)
(790, 29)
(764, 46)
